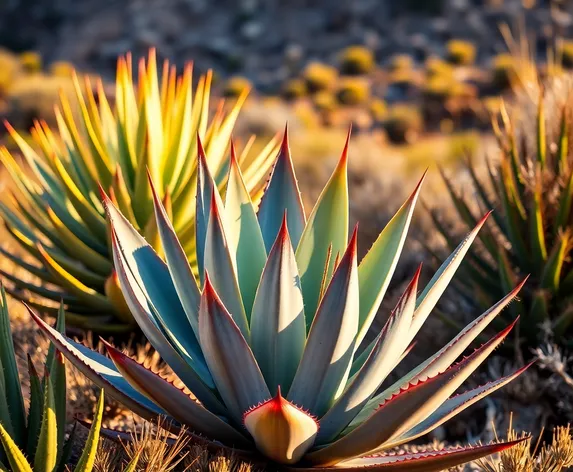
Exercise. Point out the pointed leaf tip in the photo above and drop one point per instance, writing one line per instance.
(281, 430)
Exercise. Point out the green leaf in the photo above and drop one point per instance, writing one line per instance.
(34, 422)
(46, 455)
(243, 234)
(536, 225)
(323, 231)
(149, 276)
(443, 359)
(278, 327)
(16, 458)
(67, 450)
(87, 459)
(178, 265)
(220, 264)
(131, 467)
(327, 357)
(282, 192)
(101, 371)
(541, 136)
(441, 279)
(392, 341)
(455, 405)
(12, 384)
(174, 401)
(225, 348)
(376, 269)
(404, 410)
(551, 275)
(57, 370)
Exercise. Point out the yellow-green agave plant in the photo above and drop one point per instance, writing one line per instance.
(268, 339)
(53, 209)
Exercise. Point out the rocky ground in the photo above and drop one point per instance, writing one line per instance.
(266, 39)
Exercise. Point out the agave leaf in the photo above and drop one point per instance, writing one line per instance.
(92, 218)
(9, 372)
(278, 327)
(218, 145)
(483, 271)
(257, 174)
(282, 192)
(142, 268)
(328, 353)
(67, 451)
(376, 269)
(178, 265)
(432, 461)
(131, 467)
(147, 318)
(551, 275)
(281, 431)
(443, 359)
(541, 135)
(87, 459)
(322, 231)
(57, 370)
(453, 406)
(536, 223)
(390, 344)
(405, 409)
(220, 264)
(176, 402)
(206, 188)
(101, 371)
(5, 418)
(47, 452)
(73, 285)
(439, 282)
(243, 234)
(515, 218)
(91, 257)
(75, 268)
(16, 458)
(225, 348)
(35, 410)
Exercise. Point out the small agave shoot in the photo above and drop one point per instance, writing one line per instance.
(53, 210)
(33, 439)
(268, 338)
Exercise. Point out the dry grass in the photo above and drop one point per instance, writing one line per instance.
(554, 457)
(160, 451)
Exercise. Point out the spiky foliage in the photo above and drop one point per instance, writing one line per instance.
(532, 189)
(268, 337)
(48, 456)
(38, 432)
(56, 216)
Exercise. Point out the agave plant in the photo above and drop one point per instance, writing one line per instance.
(56, 214)
(532, 188)
(48, 454)
(39, 432)
(268, 338)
